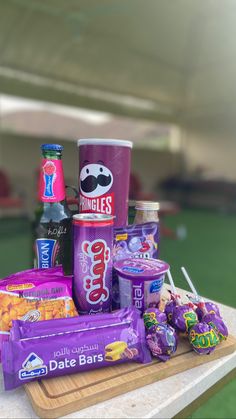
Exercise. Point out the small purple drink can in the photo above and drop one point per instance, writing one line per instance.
(93, 241)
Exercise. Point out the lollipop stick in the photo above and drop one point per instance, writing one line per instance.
(191, 285)
(173, 287)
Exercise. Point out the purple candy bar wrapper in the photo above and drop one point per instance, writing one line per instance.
(22, 329)
(92, 342)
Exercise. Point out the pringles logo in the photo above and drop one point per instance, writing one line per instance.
(95, 283)
(95, 182)
(49, 174)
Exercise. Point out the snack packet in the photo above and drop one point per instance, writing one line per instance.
(43, 350)
(33, 295)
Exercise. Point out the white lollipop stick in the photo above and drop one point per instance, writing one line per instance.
(173, 287)
(187, 277)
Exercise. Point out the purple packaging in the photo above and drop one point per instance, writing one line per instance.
(140, 281)
(91, 343)
(208, 307)
(133, 241)
(218, 325)
(203, 338)
(33, 295)
(183, 318)
(104, 174)
(93, 240)
(162, 341)
(136, 241)
(153, 316)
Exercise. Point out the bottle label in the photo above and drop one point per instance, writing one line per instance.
(46, 252)
(51, 182)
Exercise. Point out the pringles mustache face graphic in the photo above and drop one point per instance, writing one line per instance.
(95, 179)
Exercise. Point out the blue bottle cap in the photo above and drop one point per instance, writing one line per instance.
(55, 147)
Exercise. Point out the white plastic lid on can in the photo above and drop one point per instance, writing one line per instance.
(104, 141)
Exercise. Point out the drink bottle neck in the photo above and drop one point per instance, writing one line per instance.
(51, 180)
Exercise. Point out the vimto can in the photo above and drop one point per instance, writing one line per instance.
(93, 241)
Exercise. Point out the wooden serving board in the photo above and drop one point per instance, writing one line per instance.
(56, 397)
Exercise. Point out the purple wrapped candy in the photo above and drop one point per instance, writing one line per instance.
(218, 325)
(203, 338)
(162, 341)
(183, 318)
(153, 316)
(208, 307)
(169, 308)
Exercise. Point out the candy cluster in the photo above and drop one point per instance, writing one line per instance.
(199, 321)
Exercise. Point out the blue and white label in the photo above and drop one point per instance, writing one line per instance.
(156, 285)
(132, 270)
(46, 252)
(32, 367)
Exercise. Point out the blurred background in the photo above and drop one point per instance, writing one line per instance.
(160, 73)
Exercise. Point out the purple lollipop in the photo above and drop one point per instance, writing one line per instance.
(217, 324)
(184, 317)
(207, 307)
(169, 308)
(203, 338)
(162, 341)
(153, 316)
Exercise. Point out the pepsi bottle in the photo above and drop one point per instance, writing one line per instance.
(53, 219)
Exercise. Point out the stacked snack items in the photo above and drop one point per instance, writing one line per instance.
(183, 315)
(218, 329)
(161, 338)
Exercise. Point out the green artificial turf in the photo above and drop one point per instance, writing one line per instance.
(207, 252)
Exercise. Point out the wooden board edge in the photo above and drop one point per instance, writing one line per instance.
(53, 408)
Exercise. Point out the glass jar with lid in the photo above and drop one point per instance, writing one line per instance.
(146, 211)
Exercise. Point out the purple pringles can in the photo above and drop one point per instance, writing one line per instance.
(93, 241)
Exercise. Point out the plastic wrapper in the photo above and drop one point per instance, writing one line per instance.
(208, 307)
(162, 341)
(33, 295)
(133, 241)
(153, 316)
(218, 325)
(183, 318)
(73, 345)
(203, 338)
(169, 308)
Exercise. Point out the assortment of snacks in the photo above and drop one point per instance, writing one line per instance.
(64, 346)
(61, 342)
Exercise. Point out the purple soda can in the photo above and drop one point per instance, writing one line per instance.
(104, 177)
(93, 240)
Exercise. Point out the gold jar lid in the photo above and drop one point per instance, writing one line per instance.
(147, 205)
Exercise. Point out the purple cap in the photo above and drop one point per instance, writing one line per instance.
(162, 341)
(146, 269)
(203, 338)
(218, 325)
(183, 318)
